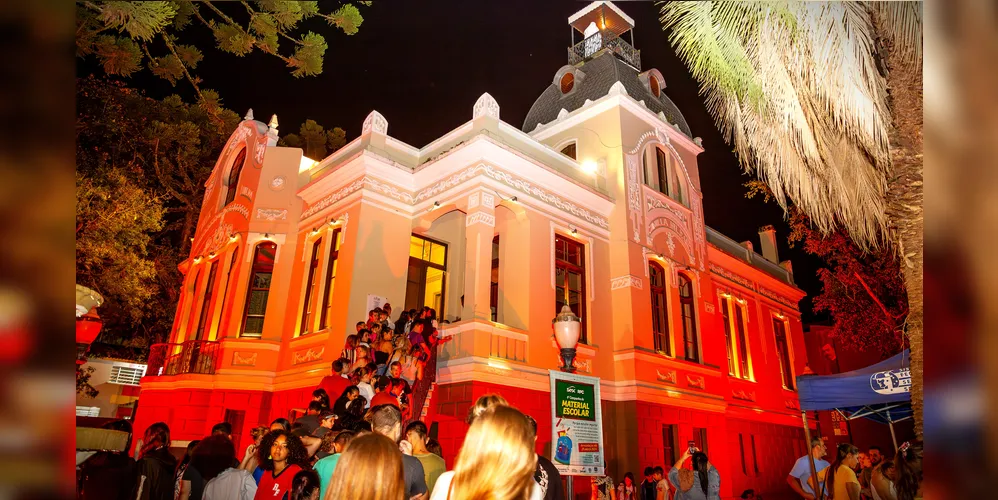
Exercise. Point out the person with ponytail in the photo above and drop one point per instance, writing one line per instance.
(908, 471)
(702, 483)
(841, 480)
(155, 467)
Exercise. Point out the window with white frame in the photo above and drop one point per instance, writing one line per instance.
(126, 375)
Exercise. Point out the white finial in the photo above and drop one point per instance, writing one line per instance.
(486, 105)
(273, 122)
(375, 123)
(563, 113)
(249, 115)
(698, 141)
(617, 88)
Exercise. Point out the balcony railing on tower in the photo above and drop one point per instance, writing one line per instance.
(192, 356)
(604, 40)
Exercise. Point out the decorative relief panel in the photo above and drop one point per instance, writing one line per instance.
(247, 192)
(488, 200)
(583, 365)
(669, 376)
(742, 395)
(333, 198)
(776, 297)
(375, 123)
(625, 281)
(271, 214)
(741, 280)
(307, 355)
(472, 201)
(709, 307)
(278, 183)
(634, 196)
(792, 404)
(695, 381)
(244, 358)
(486, 105)
(481, 218)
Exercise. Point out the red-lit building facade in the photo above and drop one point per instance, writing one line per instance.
(694, 336)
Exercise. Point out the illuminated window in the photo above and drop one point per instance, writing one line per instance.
(656, 89)
(426, 279)
(670, 451)
(258, 290)
(327, 299)
(690, 338)
(733, 315)
(783, 352)
(729, 339)
(659, 308)
(206, 301)
(311, 283)
(87, 411)
(743, 356)
(494, 280)
(570, 279)
(569, 151)
(193, 294)
(232, 182)
(567, 83)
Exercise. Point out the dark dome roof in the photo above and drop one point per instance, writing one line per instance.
(600, 74)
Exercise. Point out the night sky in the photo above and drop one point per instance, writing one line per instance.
(423, 64)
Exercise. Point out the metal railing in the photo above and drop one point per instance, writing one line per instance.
(605, 39)
(192, 356)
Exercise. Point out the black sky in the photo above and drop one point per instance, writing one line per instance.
(423, 64)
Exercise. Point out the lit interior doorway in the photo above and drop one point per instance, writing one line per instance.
(426, 282)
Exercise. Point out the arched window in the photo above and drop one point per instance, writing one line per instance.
(209, 291)
(688, 307)
(258, 290)
(783, 353)
(659, 308)
(569, 150)
(327, 298)
(232, 182)
(662, 173)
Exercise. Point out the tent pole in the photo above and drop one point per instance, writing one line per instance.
(890, 423)
(810, 457)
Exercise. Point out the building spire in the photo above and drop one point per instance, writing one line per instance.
(249, 114)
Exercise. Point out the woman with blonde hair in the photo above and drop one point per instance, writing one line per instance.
(369, 469)
(496, 462)
(484, 403)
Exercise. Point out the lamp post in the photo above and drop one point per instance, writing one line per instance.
(566, 331)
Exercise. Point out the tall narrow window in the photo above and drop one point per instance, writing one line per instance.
(327, 297)
(258, 290)
(569, 150)
(659, 308)
(194, 304)
(700, 439)
(690, 338)
(206, 301)
(232, 181)
(743, 357)
(728, 338)
(755, 459)
(741, 451)
(570, 279)
(225, 288)
(494, 280)
(662, 166)
(783, 352)
(426, 281)
(310, 284)
(669, 438)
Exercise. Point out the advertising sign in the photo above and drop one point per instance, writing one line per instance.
(576, 424)
(374, 302)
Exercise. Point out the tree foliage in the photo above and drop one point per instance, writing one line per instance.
(863, 291)
(83, 387)
(315, 140)
(125, 36)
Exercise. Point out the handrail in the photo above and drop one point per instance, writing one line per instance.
(192, 356)
(604, 39)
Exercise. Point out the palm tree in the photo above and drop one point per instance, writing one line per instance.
(823, 101)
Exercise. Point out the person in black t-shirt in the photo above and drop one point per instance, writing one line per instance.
(649, 485)
(546, 474)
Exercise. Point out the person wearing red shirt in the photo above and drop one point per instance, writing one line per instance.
(281, 457)
(384, 395)
(336, 383)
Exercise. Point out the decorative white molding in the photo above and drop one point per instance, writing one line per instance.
(481, 218)
(375, 123)
(625, 281)
(488, 200)
(562, 114)
(696, 382)
(669, 376)
(617, 89)
(709, 308)
(486, 105)
(278, 183)
(472, 200)
(313, 354)
(737, 278)
(271, 214)
(244, 359)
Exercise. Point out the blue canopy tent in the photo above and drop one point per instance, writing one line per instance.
(879, 392)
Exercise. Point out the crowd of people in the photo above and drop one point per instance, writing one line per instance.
(369, 444)
(858, 475)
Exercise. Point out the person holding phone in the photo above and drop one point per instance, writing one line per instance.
(701, 483)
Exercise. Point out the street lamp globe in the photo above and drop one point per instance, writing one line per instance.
(567, 327)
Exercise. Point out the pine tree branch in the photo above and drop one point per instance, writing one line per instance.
(162, 178)
(173, 51)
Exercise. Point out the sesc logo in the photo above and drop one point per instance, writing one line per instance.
(891, 381)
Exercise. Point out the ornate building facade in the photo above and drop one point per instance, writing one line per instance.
(595, 202)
